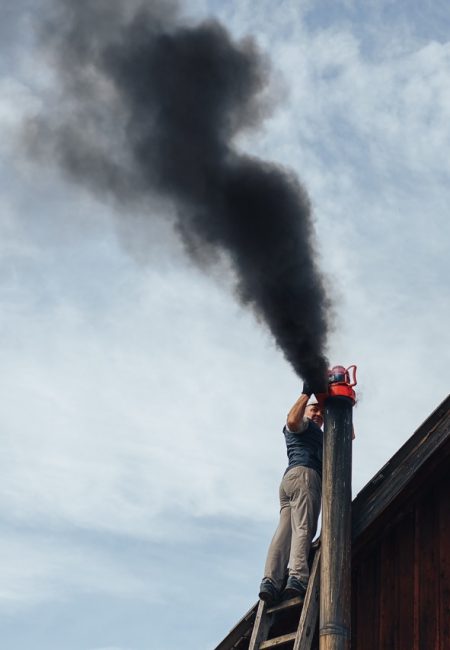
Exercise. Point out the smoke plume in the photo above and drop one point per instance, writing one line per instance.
(146, 104)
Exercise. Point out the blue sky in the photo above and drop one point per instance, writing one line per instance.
(142, 406)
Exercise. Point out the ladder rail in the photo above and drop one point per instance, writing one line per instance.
(261, 626)
(310, 610)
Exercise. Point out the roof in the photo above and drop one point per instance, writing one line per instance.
(425, 454)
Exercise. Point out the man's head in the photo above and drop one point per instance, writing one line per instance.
(314, 412)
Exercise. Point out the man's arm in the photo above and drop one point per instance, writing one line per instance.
(295, 416)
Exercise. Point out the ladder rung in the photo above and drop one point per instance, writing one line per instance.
(286, 604)
(278, 641)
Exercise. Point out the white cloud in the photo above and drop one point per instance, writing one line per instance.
(38, 568)
(109, 440)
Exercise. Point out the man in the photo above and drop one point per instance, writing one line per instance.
(300, 501)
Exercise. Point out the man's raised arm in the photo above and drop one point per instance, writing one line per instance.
(295, 416)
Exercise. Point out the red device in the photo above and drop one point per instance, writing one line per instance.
(341, 381)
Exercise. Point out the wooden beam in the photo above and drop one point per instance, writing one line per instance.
(335, 564)
(279, 641)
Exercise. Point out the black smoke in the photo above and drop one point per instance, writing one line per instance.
(147, 104)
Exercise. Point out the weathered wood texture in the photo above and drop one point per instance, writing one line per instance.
(278, 642)
(335, 572)
(310, 612)
(400, 477)
(401, 581)
(261, 627)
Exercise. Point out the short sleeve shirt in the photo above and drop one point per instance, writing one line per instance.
(305, 447)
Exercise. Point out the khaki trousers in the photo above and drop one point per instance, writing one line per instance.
(300, 501)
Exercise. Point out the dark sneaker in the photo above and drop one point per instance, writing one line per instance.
(268, 592)
(294, 588)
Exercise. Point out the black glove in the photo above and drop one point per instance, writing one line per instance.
(316, 387)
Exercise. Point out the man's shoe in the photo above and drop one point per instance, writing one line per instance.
(294, 588)
(268, 592)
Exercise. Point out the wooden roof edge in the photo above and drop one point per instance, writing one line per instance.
(236, 632)
(389, 482)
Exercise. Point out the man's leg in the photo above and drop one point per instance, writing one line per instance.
(304, 490)
(278, 553)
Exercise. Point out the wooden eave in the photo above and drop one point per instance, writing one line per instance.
(422, 458)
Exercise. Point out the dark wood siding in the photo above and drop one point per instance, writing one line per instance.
(401, 580)
(444, 555)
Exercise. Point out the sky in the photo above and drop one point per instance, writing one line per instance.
(142, 405)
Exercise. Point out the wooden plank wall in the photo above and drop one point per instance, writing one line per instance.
(401, 581)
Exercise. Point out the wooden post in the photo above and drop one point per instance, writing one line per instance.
(335, 574)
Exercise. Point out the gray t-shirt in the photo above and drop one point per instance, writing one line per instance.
(305, 447)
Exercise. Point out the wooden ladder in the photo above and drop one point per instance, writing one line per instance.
(266, 623)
